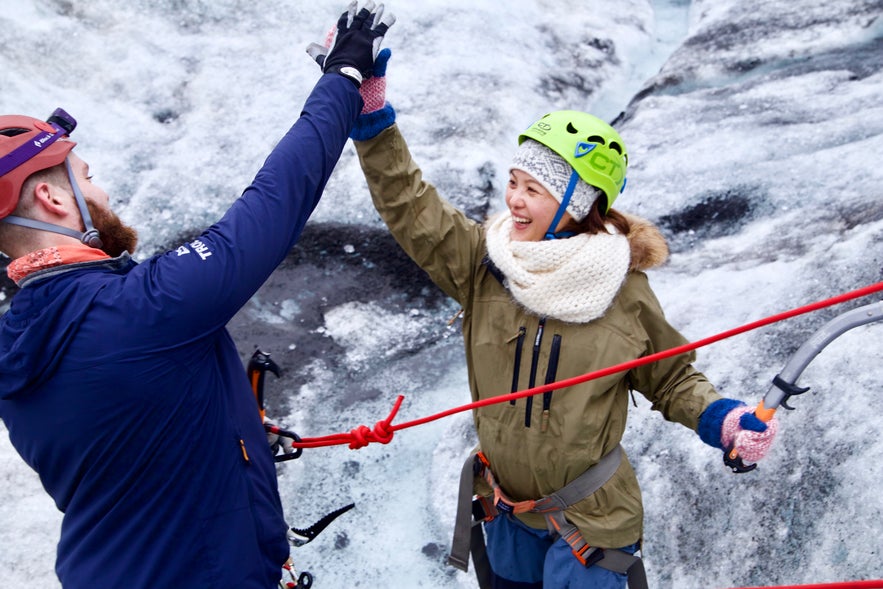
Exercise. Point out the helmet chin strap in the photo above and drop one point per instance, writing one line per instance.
(562, 208)
(89, 237)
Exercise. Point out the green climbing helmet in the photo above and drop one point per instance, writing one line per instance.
(592, 147)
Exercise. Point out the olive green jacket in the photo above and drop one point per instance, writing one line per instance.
(532, 454)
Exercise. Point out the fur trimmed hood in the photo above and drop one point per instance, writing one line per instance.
(648, 246)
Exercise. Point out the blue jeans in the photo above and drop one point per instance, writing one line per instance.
(522, 557)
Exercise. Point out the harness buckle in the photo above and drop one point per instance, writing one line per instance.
(588, 555)
(482, 510)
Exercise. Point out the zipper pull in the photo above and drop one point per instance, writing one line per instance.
(244, 451)
(518, 346)
(534, 362)
(517, 336)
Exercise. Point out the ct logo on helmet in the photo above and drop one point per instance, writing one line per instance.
(608, 166)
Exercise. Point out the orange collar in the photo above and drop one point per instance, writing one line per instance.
(51, 257)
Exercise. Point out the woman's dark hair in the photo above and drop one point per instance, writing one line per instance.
(596, 222)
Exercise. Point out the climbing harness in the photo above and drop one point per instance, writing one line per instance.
(471, 536)
(469, 539)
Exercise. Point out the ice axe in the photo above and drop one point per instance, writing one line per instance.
(784, 384)
(257, 369)
(258, 366)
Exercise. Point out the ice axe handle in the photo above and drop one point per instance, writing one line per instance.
(784, 386)
(258, 366)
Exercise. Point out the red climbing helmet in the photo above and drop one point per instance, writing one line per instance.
(28, 145)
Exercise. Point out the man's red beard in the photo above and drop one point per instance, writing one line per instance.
(116, 236)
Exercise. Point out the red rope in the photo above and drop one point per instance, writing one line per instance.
(878, 584)
(383, 430)
(360, 436)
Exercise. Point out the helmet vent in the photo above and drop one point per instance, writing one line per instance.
(596, 139)
(616, 147)
(13, 131)
(571, 129)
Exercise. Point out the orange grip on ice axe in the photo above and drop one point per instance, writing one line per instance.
(764, 413)
(731, 456)
(258, 366)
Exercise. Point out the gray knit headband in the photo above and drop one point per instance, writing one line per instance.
(553, 172)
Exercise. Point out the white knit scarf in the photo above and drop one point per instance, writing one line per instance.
(573, 279)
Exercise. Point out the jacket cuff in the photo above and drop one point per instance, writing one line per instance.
(712, 421)
(369, 126)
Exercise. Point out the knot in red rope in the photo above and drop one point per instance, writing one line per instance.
(359, 437)
(382, 432)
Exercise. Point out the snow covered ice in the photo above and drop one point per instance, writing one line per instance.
(755, 131)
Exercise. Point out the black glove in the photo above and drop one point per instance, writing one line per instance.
(355, 43)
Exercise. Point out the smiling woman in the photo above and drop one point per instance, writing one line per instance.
(532, 207)
(563, 270)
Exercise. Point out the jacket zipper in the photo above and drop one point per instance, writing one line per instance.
(533, 369)
(518, 346)
(551, 373)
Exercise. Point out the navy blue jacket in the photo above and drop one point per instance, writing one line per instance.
(121, 387)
